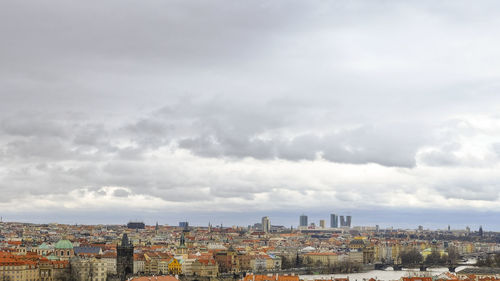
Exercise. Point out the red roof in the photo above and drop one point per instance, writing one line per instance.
(155, 278)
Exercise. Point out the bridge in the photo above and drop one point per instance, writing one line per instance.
(421, 266)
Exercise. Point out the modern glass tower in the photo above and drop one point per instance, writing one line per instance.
(303, 220)
(334, 221)
(342, 221)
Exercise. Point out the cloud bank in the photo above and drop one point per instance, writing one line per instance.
(282, 106)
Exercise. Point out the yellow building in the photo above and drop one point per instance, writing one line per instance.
(15, 270)
(428, 251)
(323, 258)
(175, 266)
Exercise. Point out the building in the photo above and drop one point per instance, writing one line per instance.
(348, 221)
(139, 263)
(200, 267)
(334, 221)
(136, 225)
(266, 224)
(303, 221)
(64, 249)
(109, 259)
(124, 258)
(342, 221)
(323, 259)
(175, 266)
(14, 269)
(156, 278)
(183, 224)
(322, 223)
(274, 277)
(88, 269)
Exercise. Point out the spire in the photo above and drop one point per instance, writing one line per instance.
(125, 241)
(183, 239)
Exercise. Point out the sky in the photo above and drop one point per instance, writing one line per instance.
(226, 111)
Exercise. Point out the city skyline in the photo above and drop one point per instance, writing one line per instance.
(170, 110)
(287, 222)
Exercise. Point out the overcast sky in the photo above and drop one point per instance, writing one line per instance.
(226, 111)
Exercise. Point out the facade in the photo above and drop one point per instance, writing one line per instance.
(156, 278)
(321, 258)
(322, 223)
(110, 261)
(253, 277)
(174, 267)
(136, 225)
(139, 263)
(334, 221)
(266, 224)
(228, 261)
(303, 221)
(200, 267)
(16, 270)
(54, 270)
(88, 269)
(124, 258)
(342, 221)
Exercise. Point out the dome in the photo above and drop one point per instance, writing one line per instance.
(44, 246)
(64, 244)
(52, 258)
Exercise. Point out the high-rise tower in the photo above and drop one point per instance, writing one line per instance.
(266, 224)
(334, 221)
(303, 221)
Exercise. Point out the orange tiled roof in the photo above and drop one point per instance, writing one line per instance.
(253, 277)
(155, 278)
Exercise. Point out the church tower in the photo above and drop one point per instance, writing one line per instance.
(182, 249)
(125, 259)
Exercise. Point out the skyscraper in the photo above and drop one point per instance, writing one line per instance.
(334, 221)
(303, 220)
(342, 221)
(266, 224)
(348, 221)
(322, 223)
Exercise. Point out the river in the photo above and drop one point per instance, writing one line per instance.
(385, 275)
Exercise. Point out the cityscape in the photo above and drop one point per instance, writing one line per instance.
(262, 251)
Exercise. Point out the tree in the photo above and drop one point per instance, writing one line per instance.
(434, 258)
(453, 255)
(286, 263)
(410, 257)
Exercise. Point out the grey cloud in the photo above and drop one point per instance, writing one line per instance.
(121, 193)
(149, 96)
